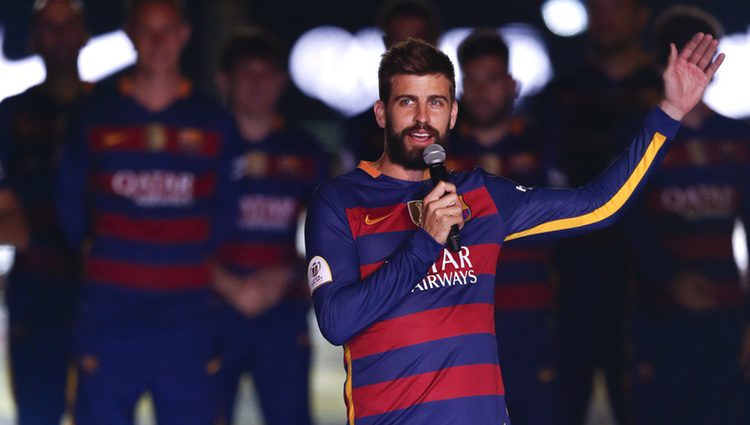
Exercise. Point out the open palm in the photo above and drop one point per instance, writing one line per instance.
(688, 74)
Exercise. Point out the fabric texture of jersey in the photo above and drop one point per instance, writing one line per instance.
(416, 320)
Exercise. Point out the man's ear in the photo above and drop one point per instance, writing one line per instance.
(379, 110)
(454, 114)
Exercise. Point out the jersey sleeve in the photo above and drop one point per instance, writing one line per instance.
(344, 303)
(550, 212)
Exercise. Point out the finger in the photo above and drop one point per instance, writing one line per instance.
(708, 55)
(438, 191)
(711, 70)
(672, 53)
(448, 200)
(690, 46)
(700, 50)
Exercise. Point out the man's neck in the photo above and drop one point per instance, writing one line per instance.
(255, 127)
(620, 64)
(396, 171)
(156, 91)
(64, 85)
(491, 135)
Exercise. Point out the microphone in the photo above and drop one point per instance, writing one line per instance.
(434, 157)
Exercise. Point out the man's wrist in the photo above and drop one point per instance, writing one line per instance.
(670, 109)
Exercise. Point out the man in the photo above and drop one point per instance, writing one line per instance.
(145, 181)
(43, 284)
(492, 137)
(277, 171)
(586, 117)
(691, 308)
(418, 334)
(398, 20)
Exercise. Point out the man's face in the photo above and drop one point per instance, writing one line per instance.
(488, 90)
(159, 34)
(614, 24)
(400, 28)
(418, 113)
(59, 34)
(254, 86)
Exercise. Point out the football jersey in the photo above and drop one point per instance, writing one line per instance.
(149, 190)
(416, 320)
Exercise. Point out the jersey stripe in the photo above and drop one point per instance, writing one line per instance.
(184, 230)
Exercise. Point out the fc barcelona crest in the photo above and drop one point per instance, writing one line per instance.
(465, 210)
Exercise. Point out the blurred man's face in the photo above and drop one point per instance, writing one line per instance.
(419, 113)
(401, 28)
(59, 34)
(614, 24)
(488, 90)
(159, 34)
(254, 86)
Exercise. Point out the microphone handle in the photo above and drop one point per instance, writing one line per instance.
(454, 239)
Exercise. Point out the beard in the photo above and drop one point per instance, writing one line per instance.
(396, 148)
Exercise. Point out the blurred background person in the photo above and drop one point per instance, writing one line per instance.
(690, 308)
(491, 136)
(398, 20)
(260, 274)
(145, 178)
(585, 116)
(43, 285)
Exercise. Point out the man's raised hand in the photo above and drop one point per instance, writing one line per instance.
(688, 74)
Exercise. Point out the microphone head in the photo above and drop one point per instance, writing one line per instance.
(433, 154)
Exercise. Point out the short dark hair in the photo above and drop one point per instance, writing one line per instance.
(678, 24)
(423, 9)
(252, 43)
(132, 7)
(482, 42)
(413, 57)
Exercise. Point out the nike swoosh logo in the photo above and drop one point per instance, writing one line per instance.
(370, 221)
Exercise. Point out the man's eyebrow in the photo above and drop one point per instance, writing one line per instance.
(437, 96)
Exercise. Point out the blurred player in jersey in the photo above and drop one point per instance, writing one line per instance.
(43, 285)
(398, 20)
(416, 319)
(691, 309)
(259, 274)
(489, 135)
(144, 182)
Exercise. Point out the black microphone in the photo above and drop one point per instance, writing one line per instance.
(434, 157)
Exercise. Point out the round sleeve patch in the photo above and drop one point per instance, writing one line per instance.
(318, 273)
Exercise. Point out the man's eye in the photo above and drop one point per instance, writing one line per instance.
(407, 102)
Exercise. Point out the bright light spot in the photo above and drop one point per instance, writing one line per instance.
(19, 75)
(565, 18)
(728, 94)
(529, 61)
(7, 254)
(739, 246)
(102, 56)
(106, 54)
(339, 68)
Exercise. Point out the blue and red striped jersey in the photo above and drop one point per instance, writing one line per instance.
(275, 178)
(685, 221)
(417, 321)
(149, 189)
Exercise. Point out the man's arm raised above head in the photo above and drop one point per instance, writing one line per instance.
(596, 204)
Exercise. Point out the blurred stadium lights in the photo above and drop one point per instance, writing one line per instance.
(729, 94)
(565, 18)
(102, 56)
(340, 69)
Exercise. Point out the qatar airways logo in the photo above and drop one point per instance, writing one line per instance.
(697, 202)
(155, 188)
(452, 269)
(267, 212)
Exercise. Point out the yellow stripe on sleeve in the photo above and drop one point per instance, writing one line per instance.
(610, 207)
(348, 385)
